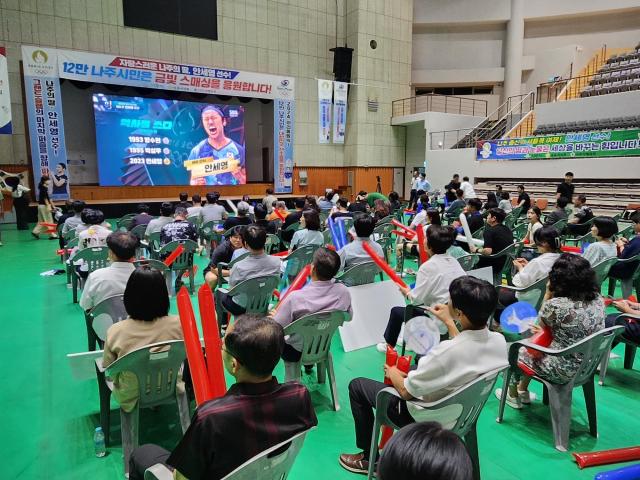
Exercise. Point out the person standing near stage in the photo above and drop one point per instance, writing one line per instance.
(414, 188)
(20, 201)
(218, 146)
(45, 208)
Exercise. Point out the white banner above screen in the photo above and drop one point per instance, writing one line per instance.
(42, 63)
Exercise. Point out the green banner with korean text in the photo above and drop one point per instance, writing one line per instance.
(608, 143)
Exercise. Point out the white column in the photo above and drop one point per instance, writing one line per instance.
(514, 44)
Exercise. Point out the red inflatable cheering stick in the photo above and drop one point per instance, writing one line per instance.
(192, 344)
(278, 214)
(402, 363)
(384, 266)
(212, 341)
(297, 284)
(424, 256)
(605, 457)
(175, 254)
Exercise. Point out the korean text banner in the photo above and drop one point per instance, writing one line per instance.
(5, 99)
(610, 143)
(283, 121)
(46, 125)
(339, 111)
(325, 90)
(91, 67)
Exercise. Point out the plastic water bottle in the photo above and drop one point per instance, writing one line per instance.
(98, 442)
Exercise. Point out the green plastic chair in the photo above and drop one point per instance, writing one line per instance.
(94, 258)
(579, 241)
(124, 222)
(519, 231)
(157, 264)
(383, 229)
(294, 227)
(602, 269)
(360, 274)
(630, 348)
(510, 253)
(467, 262)
(478, 234)
(109, 311)
(589, 352)
(273, 243)
(560, 226)
(297, 260)
(316, 331)
(272, 464)
(184, 262)
(255, 293)
(532, 294)
(626, 232)
(629, 283)
(157, 368)
(463, 406)
(71, 244)
(139, 231)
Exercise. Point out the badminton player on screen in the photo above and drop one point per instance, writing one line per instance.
(216, 160)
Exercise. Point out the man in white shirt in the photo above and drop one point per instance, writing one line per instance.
(432, 281)
(166, 216)
(449, 366)
(467, 188)
(414, 188)
(112, 280)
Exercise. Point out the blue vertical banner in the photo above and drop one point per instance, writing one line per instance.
(284, 117)
(5, 98)
(325, 91)
(46, 126)
(339, 111)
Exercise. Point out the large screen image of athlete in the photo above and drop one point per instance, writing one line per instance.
(153, 141)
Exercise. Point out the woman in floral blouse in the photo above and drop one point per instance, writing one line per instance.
(573, 309)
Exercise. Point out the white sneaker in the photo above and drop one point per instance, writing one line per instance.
(382, 347)
(526, 397)
(513, 402)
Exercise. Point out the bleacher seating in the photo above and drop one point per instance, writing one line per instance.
(604, 198)
(621, 73)
(589, 125)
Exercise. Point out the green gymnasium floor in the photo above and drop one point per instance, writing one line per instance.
(48, 418)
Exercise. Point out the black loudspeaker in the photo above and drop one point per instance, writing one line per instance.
(342, 63)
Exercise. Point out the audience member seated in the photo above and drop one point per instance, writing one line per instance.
(72, 222)
(261, 221)
(420, 218)
(505, 202)
(394, 201)
(310, 233)
(581, 215)
(533, 215)
(342, 209)
(631, 325)
(257, 264)
(311, 203)
(456, 206)
(156, 224)
(496, 237)
(524, 201)
(474, 217)
(112, 280)
(293, 217)
(360, 205)
(492, 202)
(573, 309)
(422, 451)
(196, 208)
(212, 211)
(447, 367)
(627, 249)
(60, 218)
(268, 201)
(322, 294)
(281, 208)
(242, 217)
(142, 217)
(423, 185)
(467, 188)
(146, 300)
(559, 213)
(430, 216)
(179, 229)
(94, 229)
(223, 253)
(247, 199)
(547, 241)
(184, 201)
(326, 203)
(603, 230)
(451, 187)
(381, 210)
(353, 253)
(255, 408)
(432, 281)
(373, 196)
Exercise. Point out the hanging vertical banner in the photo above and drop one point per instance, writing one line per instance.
(5, 99)
(325, 90)
(339, 111)
(284, 116)
(46, 126)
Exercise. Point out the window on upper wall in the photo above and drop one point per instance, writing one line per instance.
(459, 91)
(193, 18)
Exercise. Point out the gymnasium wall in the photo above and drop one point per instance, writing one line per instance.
(267, 36)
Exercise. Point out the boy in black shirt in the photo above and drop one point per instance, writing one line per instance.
(497, 237)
